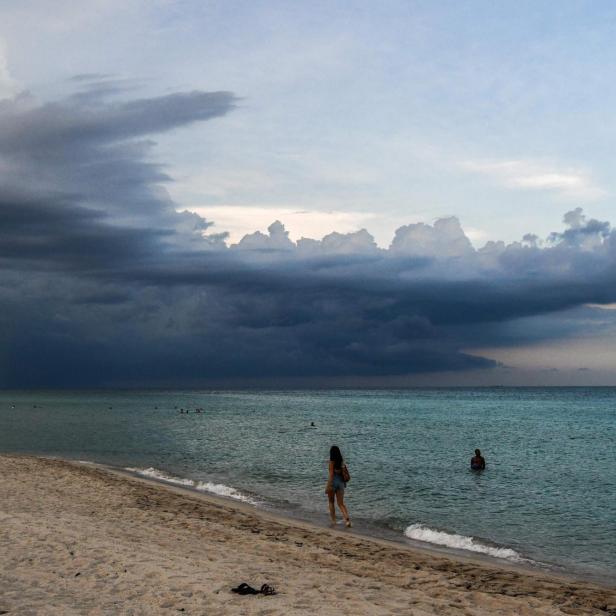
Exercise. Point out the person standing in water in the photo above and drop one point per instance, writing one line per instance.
(478, 462)
(336, 485)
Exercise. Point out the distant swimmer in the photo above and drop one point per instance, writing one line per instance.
(478, 462)
(312, 424)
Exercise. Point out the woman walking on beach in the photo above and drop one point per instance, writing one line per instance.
(336, 483)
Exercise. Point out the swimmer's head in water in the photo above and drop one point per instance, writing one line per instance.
(477, 452)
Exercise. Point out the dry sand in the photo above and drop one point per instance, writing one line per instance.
(77, 539)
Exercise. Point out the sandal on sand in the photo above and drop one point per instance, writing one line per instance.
(245, 589)
(266, 589)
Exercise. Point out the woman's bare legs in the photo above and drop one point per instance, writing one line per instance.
(342, 506)
(332, 509)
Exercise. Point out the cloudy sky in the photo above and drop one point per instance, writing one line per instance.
(244, 193)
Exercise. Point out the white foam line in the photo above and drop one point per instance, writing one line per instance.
(202, 486)
(419, 532)
(223, 490)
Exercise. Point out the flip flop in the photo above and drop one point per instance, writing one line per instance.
(266, 589)
(245, 589)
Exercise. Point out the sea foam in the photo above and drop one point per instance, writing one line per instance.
(419, 532)
(202, 486)
(223, 490)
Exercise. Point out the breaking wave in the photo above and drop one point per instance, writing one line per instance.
(419, 532)
(201, 486)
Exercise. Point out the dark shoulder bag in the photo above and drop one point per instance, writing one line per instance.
(346, 476)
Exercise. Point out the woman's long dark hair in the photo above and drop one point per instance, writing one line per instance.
(335, 456)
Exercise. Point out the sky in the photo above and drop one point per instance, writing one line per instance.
(307, 194)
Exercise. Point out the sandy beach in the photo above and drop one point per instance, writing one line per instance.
(79, 539)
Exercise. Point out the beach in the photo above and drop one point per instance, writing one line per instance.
(82, 539)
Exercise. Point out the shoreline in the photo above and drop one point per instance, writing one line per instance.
(141, 545)
(367, 531)
(364, 531)
(283, 516)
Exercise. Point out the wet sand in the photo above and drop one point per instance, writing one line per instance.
(80, 539)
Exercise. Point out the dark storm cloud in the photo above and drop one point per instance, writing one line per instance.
(103, 282)
(64, 125)
(63, 235)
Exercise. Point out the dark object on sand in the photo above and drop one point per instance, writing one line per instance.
(245, 589)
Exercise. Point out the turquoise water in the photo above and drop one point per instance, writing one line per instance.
(548, 494)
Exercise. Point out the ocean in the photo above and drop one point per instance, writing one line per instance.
(547, 497)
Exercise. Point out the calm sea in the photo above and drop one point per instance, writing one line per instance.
(548, 494)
